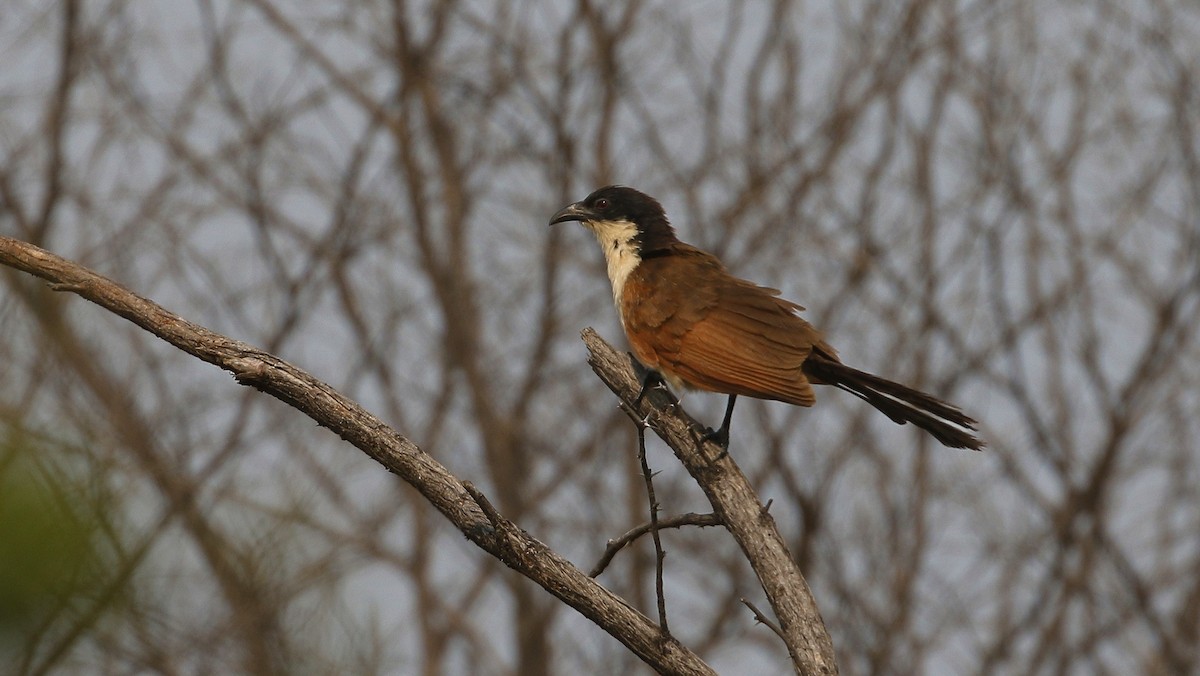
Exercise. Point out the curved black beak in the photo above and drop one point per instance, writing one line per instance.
(573, 212)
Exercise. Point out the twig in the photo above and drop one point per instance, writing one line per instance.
(617, 544)
(489, 510)
(763, 619)
(659, 554)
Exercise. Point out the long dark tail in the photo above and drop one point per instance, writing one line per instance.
(946, 422)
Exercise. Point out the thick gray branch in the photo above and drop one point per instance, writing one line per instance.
(483, 526)
(735, 503)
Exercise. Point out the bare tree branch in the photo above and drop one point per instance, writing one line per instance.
(617, 544)
(735, 502)
(273, 376)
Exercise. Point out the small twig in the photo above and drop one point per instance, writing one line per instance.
(659, 554)
(489, 510)
(763, 619)
(617, 544)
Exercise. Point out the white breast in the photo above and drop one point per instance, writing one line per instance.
(620, 253)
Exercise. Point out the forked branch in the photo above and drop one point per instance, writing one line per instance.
(734, 502)
(461, 504)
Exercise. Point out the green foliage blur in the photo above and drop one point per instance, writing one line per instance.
(47, 540)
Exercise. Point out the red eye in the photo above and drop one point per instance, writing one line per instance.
(602, 204)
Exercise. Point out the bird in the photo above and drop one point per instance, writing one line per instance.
(693, 324)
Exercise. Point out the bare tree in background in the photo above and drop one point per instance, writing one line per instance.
(996, 202)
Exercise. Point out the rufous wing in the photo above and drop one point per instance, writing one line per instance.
(689, 318)
(750, 343)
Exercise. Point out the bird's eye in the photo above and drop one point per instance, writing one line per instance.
(602, 204)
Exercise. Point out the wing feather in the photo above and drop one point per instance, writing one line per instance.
(727, 335)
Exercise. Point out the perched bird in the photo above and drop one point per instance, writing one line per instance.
(697, 326)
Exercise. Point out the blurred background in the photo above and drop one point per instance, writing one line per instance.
(998, 202)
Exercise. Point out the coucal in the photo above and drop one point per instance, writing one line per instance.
(699, 327)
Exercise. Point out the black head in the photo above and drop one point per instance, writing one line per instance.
(619, 204)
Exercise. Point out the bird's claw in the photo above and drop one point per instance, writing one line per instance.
(720, 438)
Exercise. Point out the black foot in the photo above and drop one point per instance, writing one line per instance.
(652, 380)
(720, 437)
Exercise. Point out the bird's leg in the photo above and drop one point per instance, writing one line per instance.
(721, 436)
(651, 379)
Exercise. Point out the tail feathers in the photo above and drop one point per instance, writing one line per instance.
(946, 422)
